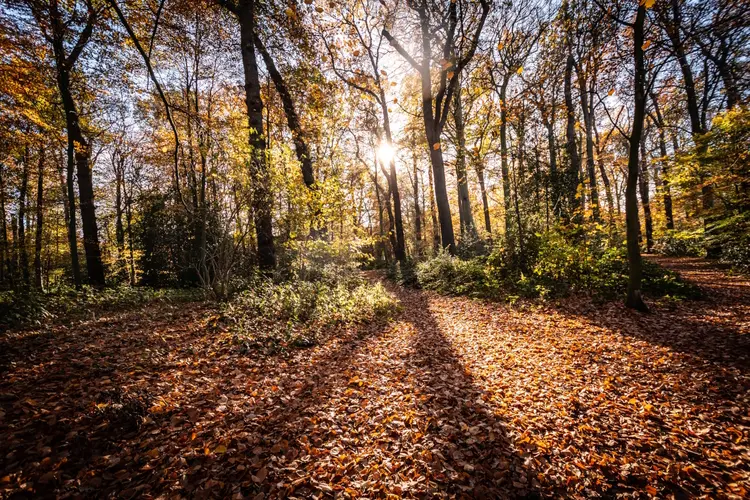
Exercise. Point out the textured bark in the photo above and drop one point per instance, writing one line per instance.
(39, 221)
(643, 187)
(504, 169)
(435, 225)
(634, 296)
(665, 187)
(262, 196)
(587, 107)
(468, 229)
(479, 167)
(417, 209)
(570, 184)
(290, 111)
(22, 192)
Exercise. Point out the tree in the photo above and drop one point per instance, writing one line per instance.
(436, 105)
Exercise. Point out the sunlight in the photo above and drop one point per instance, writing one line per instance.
(386, 153)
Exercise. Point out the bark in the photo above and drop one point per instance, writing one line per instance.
(4, 254)
(505, 171)
(479, 167)
(435, 226)
(399, 249)
(574, 167)
(635, 273)
(259, 174)
(39, 221)
(22, 192)
(587, 108)
(417, 209)
(643, 186)
(468, 229)
(292, 118)
(665, 187)
(603, 173)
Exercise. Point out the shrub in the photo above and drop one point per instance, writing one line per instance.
(681, 244)
(559, 266)
(274, 316)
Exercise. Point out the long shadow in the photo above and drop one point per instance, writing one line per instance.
(715, 337)
(473, 452)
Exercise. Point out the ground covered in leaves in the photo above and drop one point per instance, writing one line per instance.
(452, 398)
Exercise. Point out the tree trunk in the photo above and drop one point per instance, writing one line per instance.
(634, 298)
(292, 119)
(22, 192)
(643, 186)
(603, 173)
(483, 190)
(587, 101)
(574, 167)
(4, 260)
(259, 174)
(400, 249)
(435, 226)
(468, 229)
(79, 149)
(505, 171)
(665, 188)
(39, 221)
(417, 210)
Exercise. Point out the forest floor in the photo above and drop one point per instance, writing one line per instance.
(452, 398)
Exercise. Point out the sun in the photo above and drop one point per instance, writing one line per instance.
(386, 153)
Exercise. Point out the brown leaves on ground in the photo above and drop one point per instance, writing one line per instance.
(455, 398)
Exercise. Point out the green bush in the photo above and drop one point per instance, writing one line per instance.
(681, 244)
(558, 265)
(273, 316)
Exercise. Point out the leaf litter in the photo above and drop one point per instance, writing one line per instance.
(454, 398)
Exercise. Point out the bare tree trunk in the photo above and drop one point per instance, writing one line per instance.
(468, 229)
(435, 226)
(24, 256)
(643, 185)
(39, 221)
(417, 210)
(587, 107)
(505, 171)
(634, 298)
(665, 188)
(259, 174)
(574, 167)
(4, 259)
(483, 190)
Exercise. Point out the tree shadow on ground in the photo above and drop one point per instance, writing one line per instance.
(695, 328)
(474, 453)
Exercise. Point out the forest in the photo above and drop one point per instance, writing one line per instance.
(374, 249)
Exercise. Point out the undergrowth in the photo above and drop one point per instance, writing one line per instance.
(554, 267)
(29, 307)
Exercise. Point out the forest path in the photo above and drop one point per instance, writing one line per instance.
(711, 276)
(453, 398)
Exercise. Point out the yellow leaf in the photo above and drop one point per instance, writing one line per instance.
(649, 3)
(520, 70)
(220, 449)
(318, 9)
(450, 74)
(646, 45)
(436, 146)
(611, 92)
(289, 12)
(500, 46)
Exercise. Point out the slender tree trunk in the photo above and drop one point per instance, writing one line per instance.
(417, 210)
(22, 195)
(603, 174)
(39, 221)
(643, 185)
(634, 298)
(259, 174)
(400, 249)
(468, 229)
(433, 214)
(553, 176)
(574, 167)
(504, 168)
(587, 99)
(483, 191)
(4, 259)
(665, 188)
